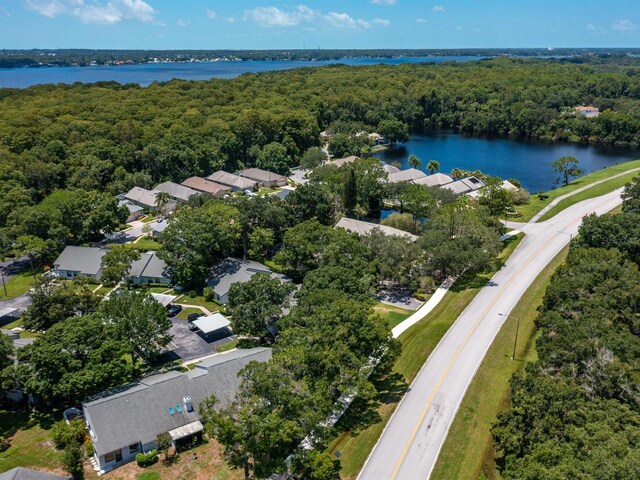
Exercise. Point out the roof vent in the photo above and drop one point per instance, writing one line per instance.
(188, 403)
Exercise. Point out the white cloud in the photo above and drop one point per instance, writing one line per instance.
(384, 2)
(383, 22)
(458, 27)
(438, 8)
(274, 17)
(624, 26)
(591, 27)
(230, 19)
(211, 14)
(344, 20)
(101, 12)
(183, 23)
(421, 20)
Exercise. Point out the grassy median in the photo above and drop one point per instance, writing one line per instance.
(362, 425)
(535, 204)
(467, 452)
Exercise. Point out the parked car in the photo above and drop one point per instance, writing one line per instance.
(173, 310)
(190, 318)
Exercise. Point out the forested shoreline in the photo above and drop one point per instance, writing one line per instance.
(574, 411)
(59, 143)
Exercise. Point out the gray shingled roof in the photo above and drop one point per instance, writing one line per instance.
(406, 175)
(21, 473)
(177, 191)
(149, 265)
(364, 228)
(140, 412)
(465, 185)
(235, 181)
(207, 186)
(85, 260)
(235, 270)
(142, 196)
(338, 162)
(262, 175)
(434, 180)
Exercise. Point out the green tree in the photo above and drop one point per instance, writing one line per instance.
(631, 196)
(73, 360)
(33, 247)
(256, 305)
(394, 131)
(433, 166)
(316, 465)
(116, 264)
(274, 158)
(401, 221)
(314, 157)
(6, 351)
(164, 444)
(261, 241)
(414, 162)
(161, 201)
(197, 237)
(567, 167)
(139, 320)
(350, 191)
(496, 198)
(417, 201)
(73, 461)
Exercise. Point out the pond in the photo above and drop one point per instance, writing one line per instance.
(528, 161)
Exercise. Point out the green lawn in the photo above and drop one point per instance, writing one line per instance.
(467, 451)
(391, 314)
(227, 346)
(17, 285)
(198, 300)
(596, 191)
(535, 205)
(145, 244)
(188, 311)
(30, 445)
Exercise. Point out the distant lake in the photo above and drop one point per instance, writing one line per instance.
(526, 160)
(146, 73)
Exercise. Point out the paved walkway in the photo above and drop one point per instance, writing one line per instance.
(541, 213)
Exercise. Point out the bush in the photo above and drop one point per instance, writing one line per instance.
(543, 196)
(207, 293)
(147, 459)
(73, 461)
(63, 433)
(520, 197)
(4, 444)
(193, 294)
(88, 448)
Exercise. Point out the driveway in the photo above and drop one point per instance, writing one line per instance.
(188, 345)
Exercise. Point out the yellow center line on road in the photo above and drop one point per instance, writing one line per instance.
(459, 350)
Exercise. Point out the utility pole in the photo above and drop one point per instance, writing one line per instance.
(515, 340)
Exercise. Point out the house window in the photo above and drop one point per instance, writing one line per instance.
(134, 447)
(111, 456)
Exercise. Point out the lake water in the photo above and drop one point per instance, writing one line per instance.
(527, 161)
(146, 73)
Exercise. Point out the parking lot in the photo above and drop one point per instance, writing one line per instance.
(188, 344)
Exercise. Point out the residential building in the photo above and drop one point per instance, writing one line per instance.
(465, 185)
(377, 139)
(264, 177)
(588, 111)
(79, 262)
(365, 228)
(434, 180)
(338, 162)
(149, 269)
(506, 184)
(235, 182)
(207, 186)
(142, 197)
(158, 227)
(128, 419)
(235, 270)
(135, 211)
(285, 192)
(408, 175)
(21, 473)
(176, 191)
(390, 168)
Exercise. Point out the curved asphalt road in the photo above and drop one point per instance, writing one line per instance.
(409, 445)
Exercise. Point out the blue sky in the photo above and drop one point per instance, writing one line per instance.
(258, 24)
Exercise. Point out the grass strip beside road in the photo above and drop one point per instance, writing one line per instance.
(361, 426)
(391, 314)
(468, 452)
(17, 285)
(593, 192)
(535, 204)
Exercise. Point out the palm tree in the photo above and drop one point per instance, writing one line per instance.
(414, 162)
(433, 166)
(162, 198)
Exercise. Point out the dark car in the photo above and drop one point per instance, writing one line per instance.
(191, 317)
(173, 310)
